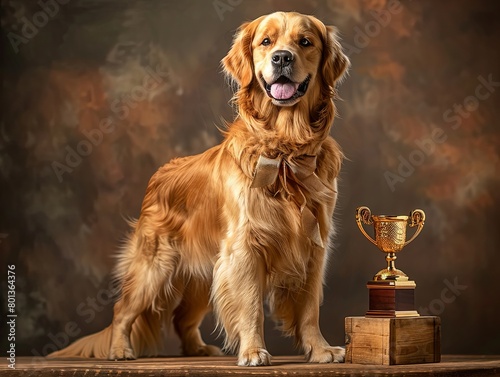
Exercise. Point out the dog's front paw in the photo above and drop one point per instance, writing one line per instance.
(254, 357)
(327, 355)
(121, 353)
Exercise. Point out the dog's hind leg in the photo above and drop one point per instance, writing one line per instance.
(188, 317)
(147, 266)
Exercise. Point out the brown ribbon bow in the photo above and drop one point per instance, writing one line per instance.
(301, 171)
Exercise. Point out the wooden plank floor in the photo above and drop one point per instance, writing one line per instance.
(466, 366)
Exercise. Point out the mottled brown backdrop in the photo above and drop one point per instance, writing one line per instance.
(96, 95)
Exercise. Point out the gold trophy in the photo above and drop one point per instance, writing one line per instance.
(392, 294)
(392, 332)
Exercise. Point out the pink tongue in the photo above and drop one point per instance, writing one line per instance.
(282, 91)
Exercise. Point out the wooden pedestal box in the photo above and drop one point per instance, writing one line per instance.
(393, 341)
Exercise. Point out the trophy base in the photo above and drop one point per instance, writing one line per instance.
(390, 274)
(393, 341)
(391, 299)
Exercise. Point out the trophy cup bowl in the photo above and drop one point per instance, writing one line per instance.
(390, 237)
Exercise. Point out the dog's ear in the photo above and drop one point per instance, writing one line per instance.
(238, 63)
(335, 57)
(334, 63)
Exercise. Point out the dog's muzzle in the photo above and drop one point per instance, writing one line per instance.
(283, 88)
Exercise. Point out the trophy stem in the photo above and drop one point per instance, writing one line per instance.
(390, 258)
(391, 272)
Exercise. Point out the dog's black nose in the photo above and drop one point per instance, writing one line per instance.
(282, 58)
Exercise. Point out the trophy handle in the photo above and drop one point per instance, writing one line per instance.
(417, 218)
(363, 214)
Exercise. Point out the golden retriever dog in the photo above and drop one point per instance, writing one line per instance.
(246, 221)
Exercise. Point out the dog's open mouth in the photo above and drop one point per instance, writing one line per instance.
(284, 89)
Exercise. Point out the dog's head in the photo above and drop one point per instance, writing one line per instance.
(291, 57)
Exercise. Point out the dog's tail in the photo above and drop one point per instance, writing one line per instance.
(146, 337)
(94, 345)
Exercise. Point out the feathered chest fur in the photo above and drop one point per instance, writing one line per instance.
(294, 179)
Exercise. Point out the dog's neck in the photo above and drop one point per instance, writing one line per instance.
(287, 131)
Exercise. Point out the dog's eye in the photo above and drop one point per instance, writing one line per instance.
(305, 42)
(266, 42)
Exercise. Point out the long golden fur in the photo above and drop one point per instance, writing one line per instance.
(209, 236)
